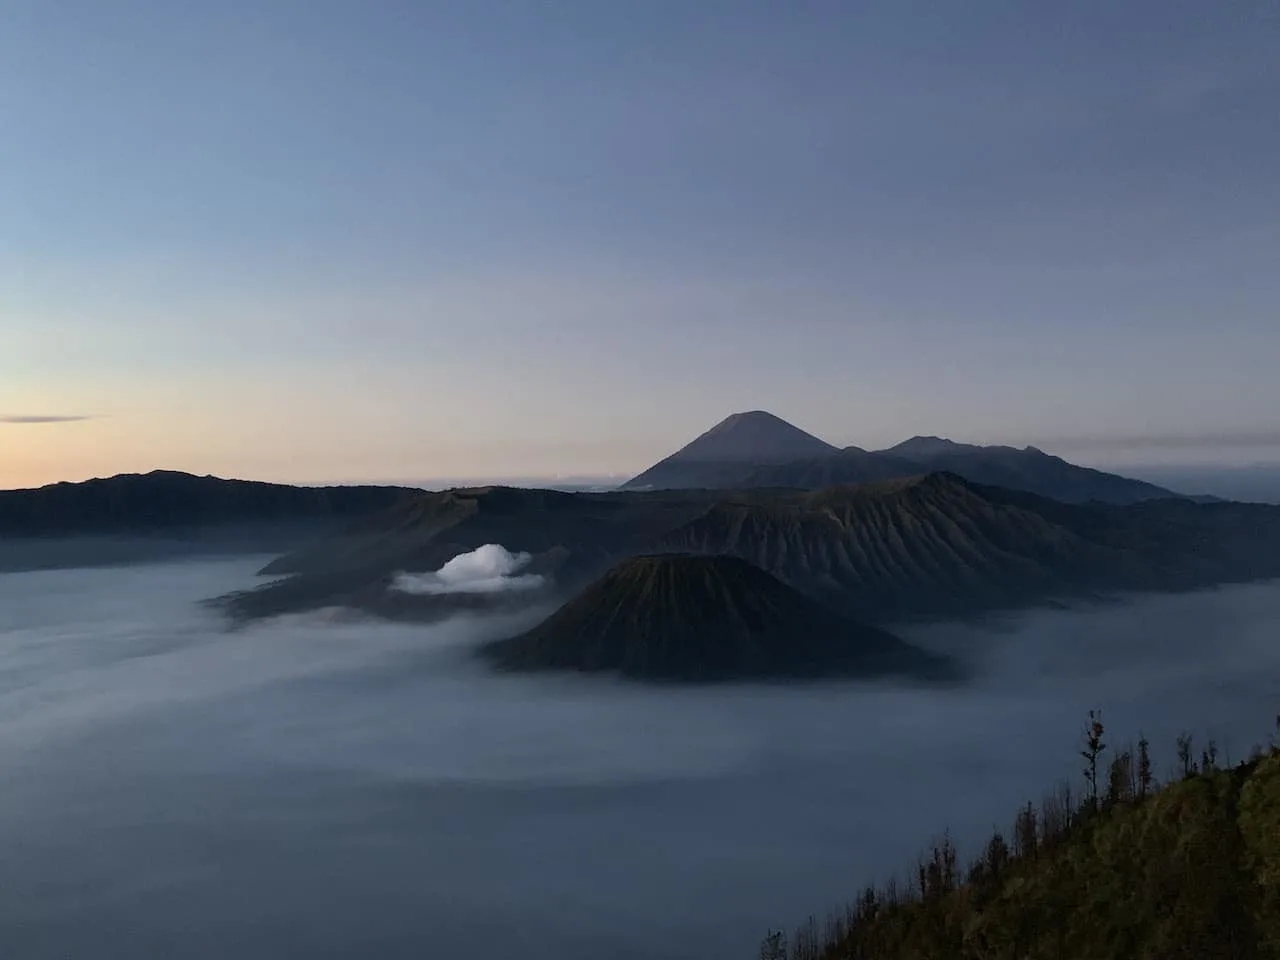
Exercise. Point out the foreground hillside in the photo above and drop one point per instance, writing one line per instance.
(1190, 869)
(922, 547)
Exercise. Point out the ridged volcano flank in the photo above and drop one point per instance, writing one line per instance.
(701, 618)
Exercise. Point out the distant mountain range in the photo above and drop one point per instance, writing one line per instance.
(757, 449)
(167, 500)
(682, 617)
(931, 546)
(1248, 483)
(747, 450)
(883, 550)
(135, 517)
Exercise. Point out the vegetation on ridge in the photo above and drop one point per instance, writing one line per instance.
(1132, 869)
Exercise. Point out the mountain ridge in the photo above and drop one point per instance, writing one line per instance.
(171, 499)
(849, 465)
(929, 546)
(1027, 468)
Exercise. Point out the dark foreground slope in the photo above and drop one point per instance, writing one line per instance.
(677, 617)
(142, 516)
(1187, 871)
(924, 547)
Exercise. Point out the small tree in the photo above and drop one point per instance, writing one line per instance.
(806, 944)
(868, 905)
(774, 946)
(1120, 778)
(1209, 758)
(1025, 832)
(1184, 755)
(1067, 802)
(948, 863)
(997, 857)
(1093, 750)
(1145, 780)
(1054, 818)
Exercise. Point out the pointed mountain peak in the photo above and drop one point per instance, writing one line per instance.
(749, 419)
(727, 453)
(755, 436)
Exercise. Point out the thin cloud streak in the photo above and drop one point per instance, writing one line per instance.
(1225, 438)
(42, 418)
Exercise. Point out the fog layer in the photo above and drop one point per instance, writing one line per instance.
(320, 786)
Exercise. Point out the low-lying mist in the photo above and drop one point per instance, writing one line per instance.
(329, 786)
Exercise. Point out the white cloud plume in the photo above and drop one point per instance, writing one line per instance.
(487, 569)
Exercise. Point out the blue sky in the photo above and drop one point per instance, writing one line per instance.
(331, 240)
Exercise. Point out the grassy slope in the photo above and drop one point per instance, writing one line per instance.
(1192, 870)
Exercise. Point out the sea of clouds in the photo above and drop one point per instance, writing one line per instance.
(337, 786)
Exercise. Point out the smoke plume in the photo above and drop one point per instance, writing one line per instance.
(487, 569)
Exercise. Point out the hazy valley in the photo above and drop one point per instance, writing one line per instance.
(654, 481)
(339, 785)
(413, 724)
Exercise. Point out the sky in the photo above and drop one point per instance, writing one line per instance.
(326, 240)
